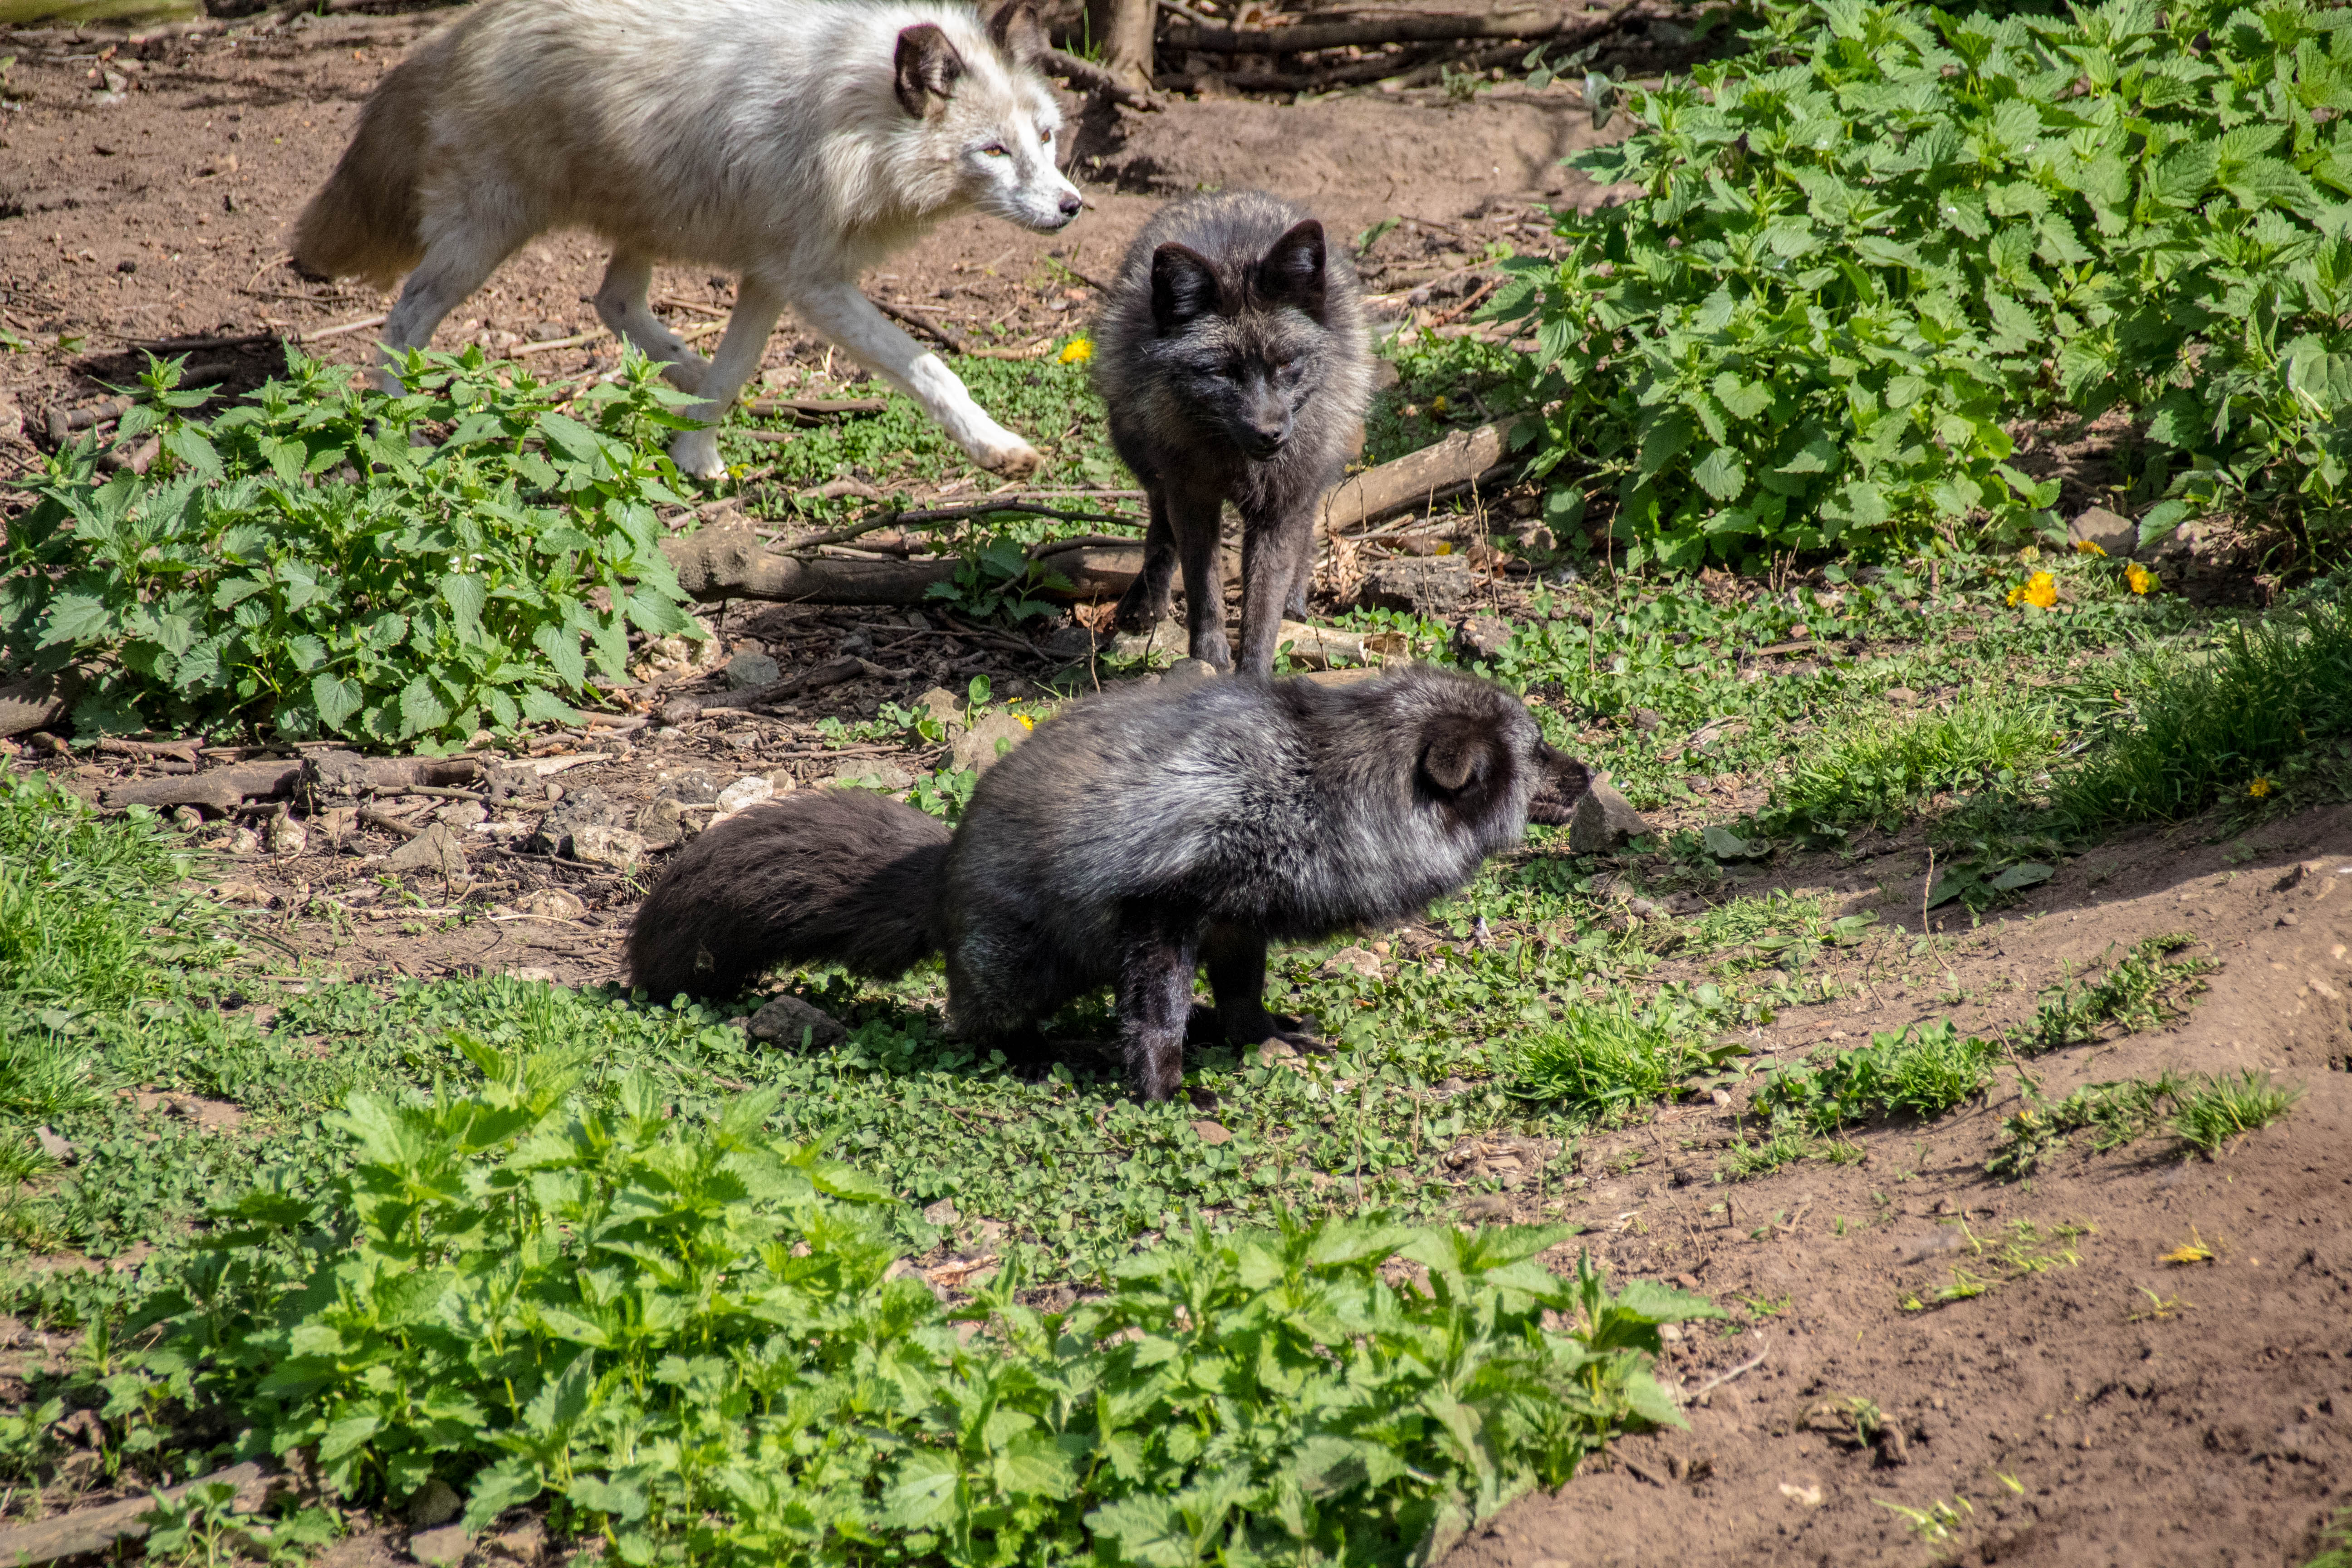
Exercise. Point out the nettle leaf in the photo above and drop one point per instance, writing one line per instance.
(1721, 474)
(335, 698)
(466, 596)
(422, 710)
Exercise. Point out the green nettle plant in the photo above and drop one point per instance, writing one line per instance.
(298, 568)
(696, 1342)
(1861, 249)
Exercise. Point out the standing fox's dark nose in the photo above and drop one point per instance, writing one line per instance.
(1071, 204)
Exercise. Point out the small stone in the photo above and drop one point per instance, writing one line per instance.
(1686, 1281)
(660, 824)
(247, 895)
(1648, 720)
(525, 1544)
(447, 1545)
(284, 834)
(1169, 639)
(2113, 534)
(788, 1021)
(1189, 672)
(436, 849)
(1604, 822)
(1322, 648)
(435, 1502)
(783, 780)
(2290, 920)
(1901, 694)
(749, 672)
(1426, 584)
(979, 747)
(1212, 1132)
(187, 819)
(942, 705)
(55, 1147)
(1357, 961)
(750, 789)
(588, 808)
(1070, 644)
(942, 1213)
(1482, 637)
(532, 975)
(692, 787)
(461, 815)
(883, 777)
(552, 903)
(244, 841)
(617, 848)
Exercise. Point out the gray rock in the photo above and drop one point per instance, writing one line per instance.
(660, 824)
(977, 747)
(617, 848)
(1169, 639)
(1187, 672)
(942, 1213)
(1481, 638)
(447, 1545)
(1072, 643)
(692, 787)
(749, 671)
(589, 807)
(1425, 584)
(1604, 822)
(461, 813)
(2112, 532)
(436, 850)
(435, 1502)
(786, 1020)
(284, 834)
(943, 705)
(55, 1147)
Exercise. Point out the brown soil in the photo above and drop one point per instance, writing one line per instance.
(2146, 1413)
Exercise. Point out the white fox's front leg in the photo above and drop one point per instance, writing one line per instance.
(849, 319)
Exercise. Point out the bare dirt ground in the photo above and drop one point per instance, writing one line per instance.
(2113, 1409)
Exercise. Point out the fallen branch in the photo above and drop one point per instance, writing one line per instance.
(736, 564)
(832, 672)
(221, 789)
(1372, 32)
(811, 410)
(90, 1530)
(949, 514)
(1712, 1383)
(1412, 479)
(335, 773)
(1093, 78)
(946, 337)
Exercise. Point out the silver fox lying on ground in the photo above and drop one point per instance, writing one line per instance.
(795, 143)
(1132, 838)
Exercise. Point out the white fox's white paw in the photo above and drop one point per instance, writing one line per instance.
(696, 453)
(1017, 461)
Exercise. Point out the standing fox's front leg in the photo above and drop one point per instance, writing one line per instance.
(849, 319)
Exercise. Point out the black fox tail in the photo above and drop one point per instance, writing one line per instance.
(841, 875)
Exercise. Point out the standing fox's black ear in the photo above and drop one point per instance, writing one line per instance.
(927, 69)
(1014, 30)
(1184, 286)
(1458, 752)
(1292, 272)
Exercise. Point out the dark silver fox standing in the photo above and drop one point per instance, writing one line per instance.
(1133, 837)
(1233, 360)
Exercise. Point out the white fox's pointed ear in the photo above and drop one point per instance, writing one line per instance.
(928, 69)
(1292, 272)
(1014, 30)
(1184, 286)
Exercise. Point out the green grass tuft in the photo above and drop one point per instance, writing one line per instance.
(2221, 1111)
(1923, 1071)
(1607, 1062)
(1879, 769)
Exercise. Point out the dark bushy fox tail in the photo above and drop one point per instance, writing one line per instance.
(841, 875)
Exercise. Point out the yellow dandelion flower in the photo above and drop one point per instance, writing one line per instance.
(2260, 789)
(2088, 547)
(1437, 404)
(2140, 578)
(1026, 721)
(2041, 591)
(1078, 351)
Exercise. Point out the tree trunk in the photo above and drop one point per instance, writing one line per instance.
(1120, 32)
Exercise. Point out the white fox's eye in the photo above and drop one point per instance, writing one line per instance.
(996, 149)
(1047, 137)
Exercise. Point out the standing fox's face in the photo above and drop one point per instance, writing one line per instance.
(997, 115)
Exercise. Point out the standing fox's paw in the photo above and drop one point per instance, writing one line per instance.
(696, 453)
(1014, 462)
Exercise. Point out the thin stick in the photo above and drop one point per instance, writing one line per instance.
(1712, 1383)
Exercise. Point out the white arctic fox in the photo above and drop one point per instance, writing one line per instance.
(794, 142)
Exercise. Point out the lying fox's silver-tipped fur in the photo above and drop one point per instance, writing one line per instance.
(794, 142)
(1136, 836)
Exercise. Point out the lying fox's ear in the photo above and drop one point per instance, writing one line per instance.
(927, 69)
(1014, 30)
(1184, 286)
(1562, 781)
(1458, 752)
(1292, 272)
